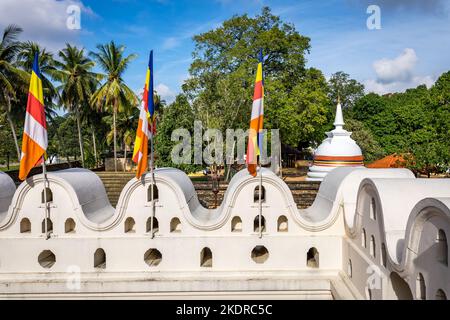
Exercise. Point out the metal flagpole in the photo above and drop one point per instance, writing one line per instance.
(152, 174)
(46, 185)
(260, 201)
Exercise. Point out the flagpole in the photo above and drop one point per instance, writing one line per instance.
(46, 185)
(260, 201)
(152, 174)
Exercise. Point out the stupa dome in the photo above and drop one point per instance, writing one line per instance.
(337, 150)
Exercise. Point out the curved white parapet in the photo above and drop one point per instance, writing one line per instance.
(399, 229)
(73, 191)
(7, 189)
(339, 190)
(404, 221)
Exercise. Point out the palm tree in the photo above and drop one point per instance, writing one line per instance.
(77, 80)
(114, 94)
(10, 76)
(25, 58)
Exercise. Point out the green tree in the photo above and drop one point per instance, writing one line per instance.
(113, 95)
(364, 138)
(349, 90)
(222, 75)
(77, 79)
(12, 79)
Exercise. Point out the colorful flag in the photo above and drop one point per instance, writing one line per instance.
(255, 135)
(34, 141)
(146, 118)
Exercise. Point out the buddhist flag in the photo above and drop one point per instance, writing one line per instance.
(34, 141)
(255, 135)
(146, 116)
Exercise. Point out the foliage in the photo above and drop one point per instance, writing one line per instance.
(348, 90)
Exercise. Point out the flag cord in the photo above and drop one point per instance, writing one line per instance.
(46, 185)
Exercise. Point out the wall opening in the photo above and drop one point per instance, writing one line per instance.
(383, 255)
(400, 287)
(155, 193)
(49, 225)
(442, 247)
(130, 225)
(25, 225)
(312, 258)
(256, 224)
(440, 295)
(69, 226)
(349, 268)
(373, 209)
(256, 194)
(372, 246)
(236, 224)
(155, 224)
(100, 259)
(49, 195)
(282, 224)
(420, 287)
(46, 259)
(206, 258)
(175, 225)
(152, 257)
(260, 254)
(363, 238)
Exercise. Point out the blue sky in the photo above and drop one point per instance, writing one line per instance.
(412, 46)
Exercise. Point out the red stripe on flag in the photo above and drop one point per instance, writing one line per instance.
(36, 109)
(258, 93)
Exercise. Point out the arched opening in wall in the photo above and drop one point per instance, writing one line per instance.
(48, 193)
(372, 246)
(260, 254)
(152, 257)
(155, 193)
(175, 225)
(69, 226)
(282, 224)
(256, 194)
(383, 254)
(46, 259)
(206, 258)
(349, 268)
(49, 225)
(373, 209)
(100, 259)
(256, 224)
(130, 225)
(363, 238)
(312, 258)
(400, 287)
(236, 224)
(148, 226)
(25, 225)
(440, 295)
(420, 287)
(442, 247)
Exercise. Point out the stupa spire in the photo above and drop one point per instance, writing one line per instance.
(339, 119)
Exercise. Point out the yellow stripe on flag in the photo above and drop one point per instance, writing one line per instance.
(36, 87)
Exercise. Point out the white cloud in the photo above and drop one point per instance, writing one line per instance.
(165, 92)
(396, 75)
(171, 42)
(398, 69)
(43, 21)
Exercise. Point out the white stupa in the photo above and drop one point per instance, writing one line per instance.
(337, 150)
